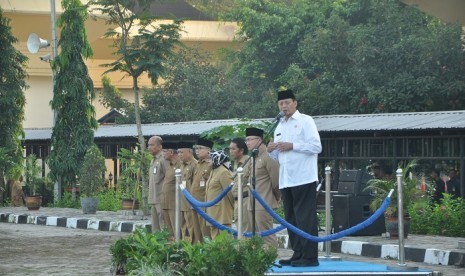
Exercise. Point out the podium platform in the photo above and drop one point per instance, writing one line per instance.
(346, 268)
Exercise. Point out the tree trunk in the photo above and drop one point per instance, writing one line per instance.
(143, 165)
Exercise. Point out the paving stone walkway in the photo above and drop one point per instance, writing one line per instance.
(436, 250)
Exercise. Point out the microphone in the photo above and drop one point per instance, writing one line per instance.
(279, 116)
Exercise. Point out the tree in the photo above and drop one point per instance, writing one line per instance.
(359, 56)
(213, 8)
(199, 89)
(112, 98)
(141, 47)
(73, 130)
(384, 56)
(91, 171)
(12, 102)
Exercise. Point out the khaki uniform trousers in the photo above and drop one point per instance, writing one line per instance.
(263, 222)
(199, 227)
(157, 218)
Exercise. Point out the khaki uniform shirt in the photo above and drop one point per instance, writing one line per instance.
(187, 176)
(156, 177)
(220, 178)
(238, 164)
(267, 179)
(168, 201)
(201, 174)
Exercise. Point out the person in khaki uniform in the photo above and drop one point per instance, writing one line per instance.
(156, 177)
(220, 178)
(189, 163)
(197, 189)
(238, 152)
(267, 184)
(168, 201)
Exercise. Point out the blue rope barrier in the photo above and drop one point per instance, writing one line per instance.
(343, 233)
(194, 201)
(220, 226)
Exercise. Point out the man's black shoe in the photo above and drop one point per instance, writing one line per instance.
(305, 262)
(285, 262)
(289, 261)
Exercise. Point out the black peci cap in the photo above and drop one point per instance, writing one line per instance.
(253, 131)
(170, 145)
(185, 145)
(286, 94)
(205, 143)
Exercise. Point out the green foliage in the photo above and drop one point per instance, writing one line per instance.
(254, 259)
(445, 219)
(213, 8)
(200, 89)
(146, 51)
(66, 201)
(12, 102)
(111, 97)
(142, 46)
(32, 174)
(141, 247)
(91, 172)
(73, 132)
(222, 135)
(222, 256)
(146, 270)
(350, 57)
(8, 166)
(411, 190)
(130, 183)
(109, 200)
(361, 56)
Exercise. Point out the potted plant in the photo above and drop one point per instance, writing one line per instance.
(130, 180)
(32, 181)
(91, 179)
(380, 189)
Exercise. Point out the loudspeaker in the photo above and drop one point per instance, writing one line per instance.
(353, 182)
(350, 210)
(35, 43)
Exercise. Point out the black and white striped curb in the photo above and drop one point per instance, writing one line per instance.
(79, 223)
(390, 251)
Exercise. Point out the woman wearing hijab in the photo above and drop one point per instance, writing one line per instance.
(220, 178)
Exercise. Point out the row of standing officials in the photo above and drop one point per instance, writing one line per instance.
(284, 169)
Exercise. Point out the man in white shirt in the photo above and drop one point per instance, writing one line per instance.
(296, 146)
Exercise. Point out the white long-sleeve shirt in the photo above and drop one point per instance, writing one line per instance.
(300, 165)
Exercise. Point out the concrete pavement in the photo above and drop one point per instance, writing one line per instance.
(432, 250)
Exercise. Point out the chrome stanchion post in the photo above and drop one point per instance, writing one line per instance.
(177, 220)
(240, 199)
(328, 215)
(328, 210)
(400, 218)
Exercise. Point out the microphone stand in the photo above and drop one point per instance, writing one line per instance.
(254, 181)
(253, 154)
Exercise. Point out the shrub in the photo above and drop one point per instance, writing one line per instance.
(109, 200)
(66, 201)
(445, 219)
(91, 171)
(221, 256)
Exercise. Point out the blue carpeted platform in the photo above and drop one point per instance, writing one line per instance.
(344, 268)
